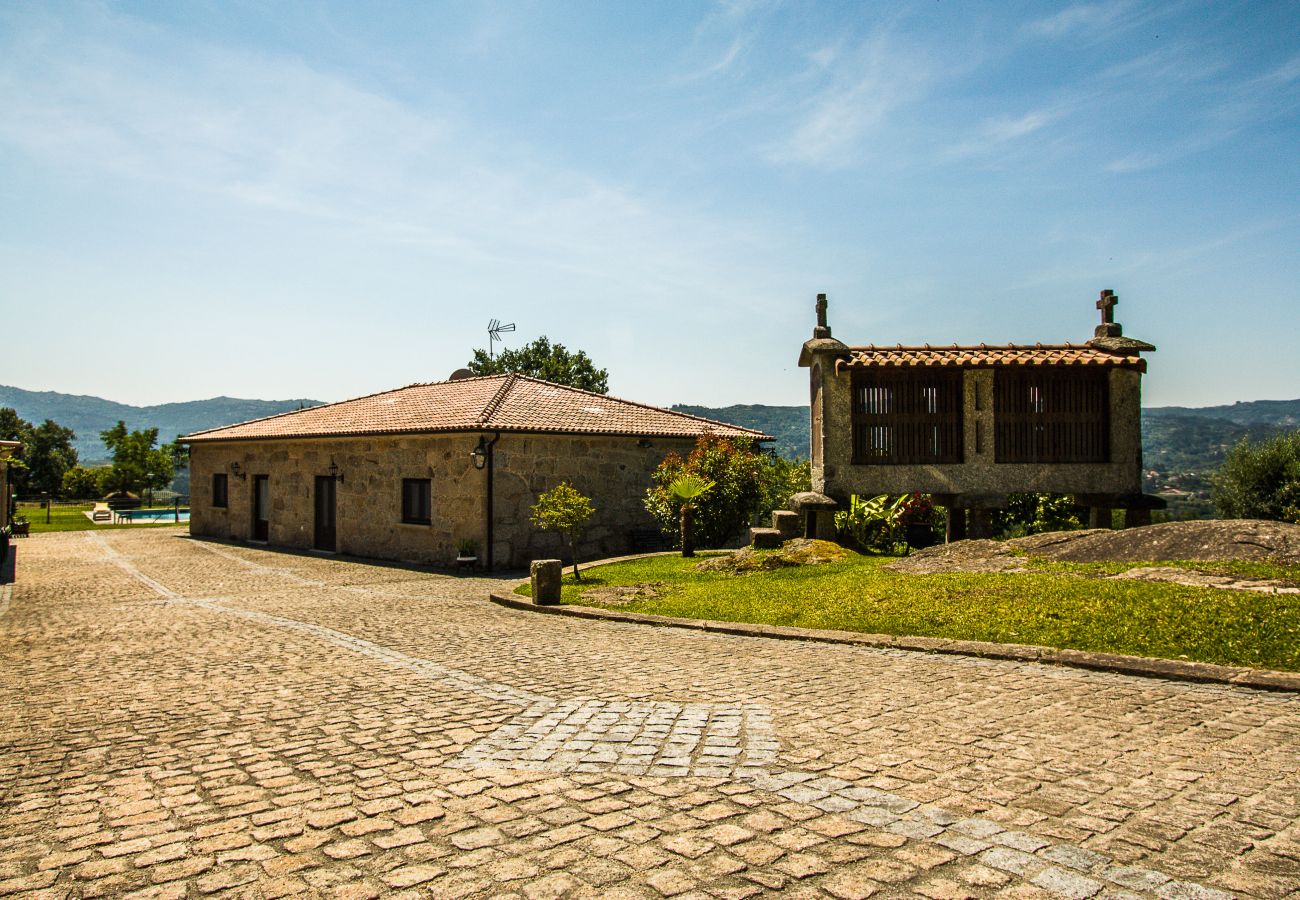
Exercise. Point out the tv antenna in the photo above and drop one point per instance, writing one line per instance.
(495, 330)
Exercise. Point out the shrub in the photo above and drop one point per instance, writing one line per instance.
(875, 525)
(1031, 513)
(1260, 481)
(736, 470)
(781, 479)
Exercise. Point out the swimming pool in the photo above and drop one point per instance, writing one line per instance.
(153, 515)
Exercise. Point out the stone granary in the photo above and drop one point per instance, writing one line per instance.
(972, 424)
(413, 473)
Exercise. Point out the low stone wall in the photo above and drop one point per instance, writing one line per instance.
(613, 471)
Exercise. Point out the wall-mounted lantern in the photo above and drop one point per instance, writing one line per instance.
(479, 454)
(334, 470)
(237, 471)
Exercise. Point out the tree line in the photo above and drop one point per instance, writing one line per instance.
(47, 463)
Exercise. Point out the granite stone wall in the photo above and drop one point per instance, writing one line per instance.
(613, 471)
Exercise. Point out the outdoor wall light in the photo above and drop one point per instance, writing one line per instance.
(334, 470)
(644, 443)
(479, 455)
(237, 471)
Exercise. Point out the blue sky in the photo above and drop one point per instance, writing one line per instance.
(273, 199)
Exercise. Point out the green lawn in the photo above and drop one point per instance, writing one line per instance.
(69, 518)
(1058, 605)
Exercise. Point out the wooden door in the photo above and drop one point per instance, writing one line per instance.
(326, 502)
(261, 507)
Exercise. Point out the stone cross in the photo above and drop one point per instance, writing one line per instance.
(822, 330)
(1107, 306)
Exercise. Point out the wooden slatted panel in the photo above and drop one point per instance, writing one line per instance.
(1051, 415)
(907, 418)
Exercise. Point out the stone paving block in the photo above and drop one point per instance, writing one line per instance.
(1067, 884)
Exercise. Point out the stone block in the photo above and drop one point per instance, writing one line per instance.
(546, 581)
(786, 522)
(765, 538)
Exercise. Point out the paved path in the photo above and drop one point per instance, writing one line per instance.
(184, 718)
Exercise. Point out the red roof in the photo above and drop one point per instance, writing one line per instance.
(490, 403)
(982, 355)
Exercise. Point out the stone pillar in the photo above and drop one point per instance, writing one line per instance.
(981, 524)
(818, 512)
(956, 525)
(1099, 517)
(546, 581)
(1136, 518)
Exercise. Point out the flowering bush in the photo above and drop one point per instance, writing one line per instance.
(736, 469)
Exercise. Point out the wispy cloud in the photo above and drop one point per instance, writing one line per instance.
(865, 90)
(997, 133)
(1086, 17)
(1222, 110)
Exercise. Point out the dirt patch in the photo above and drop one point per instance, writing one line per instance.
(622, 594)
(1228, 539)
(797, 552)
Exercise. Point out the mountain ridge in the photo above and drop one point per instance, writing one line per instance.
(88, 415)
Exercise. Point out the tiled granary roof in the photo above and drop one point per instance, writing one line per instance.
(490, 403)
(981, 355)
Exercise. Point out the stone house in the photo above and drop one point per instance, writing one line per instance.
(411, 473)
(972, 424)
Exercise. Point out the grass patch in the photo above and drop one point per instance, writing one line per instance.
(1053, 607)
(73, 518)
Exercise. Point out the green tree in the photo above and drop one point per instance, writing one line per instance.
(565, 510)
(547, 361)
(736, 469)
(684, 490)
(47, 453)
(137, 462)
(1260, 481)
(81, 483)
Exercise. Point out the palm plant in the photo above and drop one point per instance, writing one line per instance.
(685, 489)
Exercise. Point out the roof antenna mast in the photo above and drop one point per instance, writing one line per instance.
(495, 329)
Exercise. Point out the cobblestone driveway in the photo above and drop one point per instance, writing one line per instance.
(182, 718)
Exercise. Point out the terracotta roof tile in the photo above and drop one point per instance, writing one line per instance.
(490, 403)
(981, 355)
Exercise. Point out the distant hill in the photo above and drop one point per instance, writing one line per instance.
(788, 424)
(88, 416)
(1276, 413)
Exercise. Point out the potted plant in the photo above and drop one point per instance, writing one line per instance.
(918, 521)
(466, 552)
